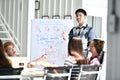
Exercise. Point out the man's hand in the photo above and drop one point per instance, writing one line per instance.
(64, 36)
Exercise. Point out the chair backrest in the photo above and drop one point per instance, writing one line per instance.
(75, 72)
(81, 72)
(57, 73)
(102, 57)
(89, 72)
(10, 73)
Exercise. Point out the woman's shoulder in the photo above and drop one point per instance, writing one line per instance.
(69, 61)
(95, 61)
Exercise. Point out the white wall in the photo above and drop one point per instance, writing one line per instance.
(113, 44)
(15, 13)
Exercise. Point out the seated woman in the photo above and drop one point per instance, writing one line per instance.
(4, 61)
(76, 56)
(10, 49)
(96, 47)
(75, 52)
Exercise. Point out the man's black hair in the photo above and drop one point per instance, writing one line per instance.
(82, 11)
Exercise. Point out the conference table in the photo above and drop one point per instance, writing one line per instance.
(26, 72)
(32, 73)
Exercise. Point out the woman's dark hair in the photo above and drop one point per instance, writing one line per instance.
(1, 48)
(4, 61)
(99, 45)
(75, 45)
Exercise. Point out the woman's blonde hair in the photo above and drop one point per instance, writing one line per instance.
(8, 44)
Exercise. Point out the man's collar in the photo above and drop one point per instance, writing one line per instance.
(83, 26)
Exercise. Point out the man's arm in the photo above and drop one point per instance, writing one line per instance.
(91, 34)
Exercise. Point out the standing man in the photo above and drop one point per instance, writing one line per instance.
(85, 32)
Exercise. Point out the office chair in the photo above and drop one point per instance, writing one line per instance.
(10, 73)
(89, 72)
(57, 73)
(102, 57)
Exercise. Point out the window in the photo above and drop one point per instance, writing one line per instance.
(96, 22)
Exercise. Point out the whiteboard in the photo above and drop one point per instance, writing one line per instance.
(46, 37)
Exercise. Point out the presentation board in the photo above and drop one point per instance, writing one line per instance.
(46, 37)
